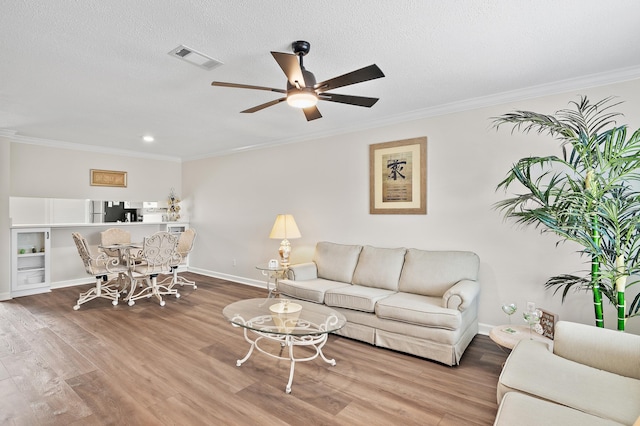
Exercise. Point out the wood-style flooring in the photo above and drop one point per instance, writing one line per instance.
(176, 365)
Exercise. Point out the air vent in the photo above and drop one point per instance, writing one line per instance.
(194, 57)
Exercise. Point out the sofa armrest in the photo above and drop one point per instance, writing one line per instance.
(532, 369)
(302, 271)
(461, 295)
(599, 348)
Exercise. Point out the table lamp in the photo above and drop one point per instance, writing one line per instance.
(284, 227)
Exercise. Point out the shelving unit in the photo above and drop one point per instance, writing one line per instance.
(30, 261)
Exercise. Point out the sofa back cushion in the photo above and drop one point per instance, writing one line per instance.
(600, 348)
(432, 273)
(379, 267)
(336, 262)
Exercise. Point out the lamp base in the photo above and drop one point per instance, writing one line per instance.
(284, 251)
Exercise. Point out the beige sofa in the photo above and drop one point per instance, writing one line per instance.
(420, 302)
(592, 377)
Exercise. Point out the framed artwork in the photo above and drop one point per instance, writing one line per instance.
(548, 322)
(108, 178)
(398, 177)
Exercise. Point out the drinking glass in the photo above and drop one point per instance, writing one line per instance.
(532, 318)
(509, 309)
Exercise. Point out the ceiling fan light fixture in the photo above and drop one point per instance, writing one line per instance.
(302, 90)
(302, 99)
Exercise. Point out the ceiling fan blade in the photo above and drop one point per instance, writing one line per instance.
(265, 105)
(358, 76)
(348, 99)
(246, 86)
(290, 66)
(312, 113)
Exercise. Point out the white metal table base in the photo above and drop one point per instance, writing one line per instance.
(315, 340)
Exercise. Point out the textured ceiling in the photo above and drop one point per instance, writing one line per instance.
(97, 72)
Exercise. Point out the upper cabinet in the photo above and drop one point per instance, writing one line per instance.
(45, 211)
(56, 211)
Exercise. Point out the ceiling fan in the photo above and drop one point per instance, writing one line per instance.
(303, 91)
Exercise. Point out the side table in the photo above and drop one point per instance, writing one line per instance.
(273, 273)
(508, 335)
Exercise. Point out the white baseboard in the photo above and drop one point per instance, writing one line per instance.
(71, 283)
(482, 328)
(234, 278)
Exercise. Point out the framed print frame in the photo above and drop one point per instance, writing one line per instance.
(108, 178)
(398, 177)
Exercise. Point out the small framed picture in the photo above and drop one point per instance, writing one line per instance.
(548, 322)
(108, 178)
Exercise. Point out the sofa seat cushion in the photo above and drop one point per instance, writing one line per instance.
(356, 297)
(523, 410)
(336, 262)
(532, 369)
(379, 267)
(310, 290)
(421, 310)
(430, 334)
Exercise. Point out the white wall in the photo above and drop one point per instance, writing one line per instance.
(38, 171)
(324, 183)
(5, 231)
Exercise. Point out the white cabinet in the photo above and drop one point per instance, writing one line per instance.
(177, 227)
(30, 261)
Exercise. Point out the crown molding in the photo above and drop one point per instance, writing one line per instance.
(6, 133)
(555, 88)
(532, 92)
(13, 136)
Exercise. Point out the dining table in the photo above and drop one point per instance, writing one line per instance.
(125, 255)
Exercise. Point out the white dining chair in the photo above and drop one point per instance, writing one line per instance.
(185, 245)
(110, 273)
(158, 254)
(113, 236)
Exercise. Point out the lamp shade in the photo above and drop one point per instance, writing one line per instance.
(284, 228)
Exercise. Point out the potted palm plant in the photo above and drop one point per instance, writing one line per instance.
(587, 195)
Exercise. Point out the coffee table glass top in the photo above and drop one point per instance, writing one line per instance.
(284, 316)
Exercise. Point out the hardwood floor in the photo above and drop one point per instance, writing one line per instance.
(176, 365)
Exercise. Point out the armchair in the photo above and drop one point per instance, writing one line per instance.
(592, 376)
(185, 245)
(110, 273)
(114, 236)
(158, 254)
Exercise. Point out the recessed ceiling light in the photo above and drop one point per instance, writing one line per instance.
(148, 138)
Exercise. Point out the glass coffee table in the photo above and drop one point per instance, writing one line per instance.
(290, 323)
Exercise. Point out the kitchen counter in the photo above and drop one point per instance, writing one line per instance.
(67, 268)
(96, 225)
